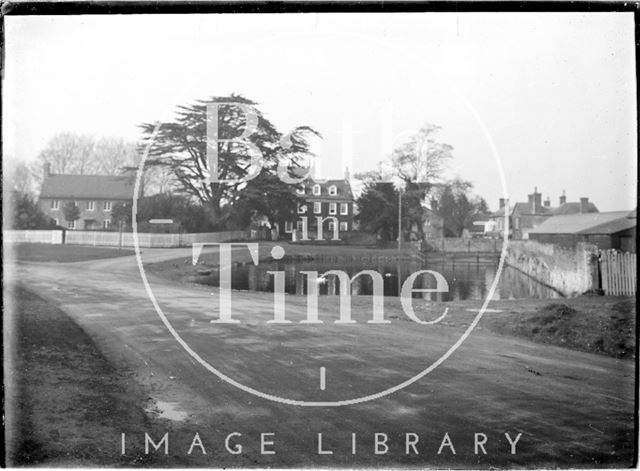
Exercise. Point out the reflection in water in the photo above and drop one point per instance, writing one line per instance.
(466, 279)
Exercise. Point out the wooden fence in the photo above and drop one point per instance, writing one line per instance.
(618, 273)
(125, 239)
(33, 237)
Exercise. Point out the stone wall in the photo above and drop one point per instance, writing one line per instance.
(570, 271)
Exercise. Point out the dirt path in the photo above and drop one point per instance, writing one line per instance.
(572, 408)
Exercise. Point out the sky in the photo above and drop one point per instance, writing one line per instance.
(548, 99)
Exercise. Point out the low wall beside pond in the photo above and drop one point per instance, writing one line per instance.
(570, 271)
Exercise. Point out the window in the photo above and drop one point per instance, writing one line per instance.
(333, 208)
(344, 226)
(56, 221)
(75, 203)
(55, 204)
(300, 190)
(331, 226)
(288, 226)
(91, 205)
(107, 206)
(317, 207)
(333, 190)
(300, 226)
(71, 224)
(106, 224)
(302, 209)
(344, 208)
(316, 189)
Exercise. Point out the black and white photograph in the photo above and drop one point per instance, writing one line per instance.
(300, 238)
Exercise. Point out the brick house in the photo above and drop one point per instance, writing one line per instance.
(523, 217)
(95, 196)
(326, 199)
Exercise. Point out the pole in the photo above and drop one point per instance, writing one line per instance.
(120, 236)
(399, 219)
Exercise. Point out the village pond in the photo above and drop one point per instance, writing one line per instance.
(468, 279)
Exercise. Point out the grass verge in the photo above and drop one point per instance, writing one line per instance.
(601, 325)
(66, 405)
(62, 253)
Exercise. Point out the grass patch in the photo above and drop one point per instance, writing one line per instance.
(63, 253)
(608, 330)
(66, 405)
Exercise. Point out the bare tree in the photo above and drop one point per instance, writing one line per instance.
(70, 153)
(422, 158)
(112, 155)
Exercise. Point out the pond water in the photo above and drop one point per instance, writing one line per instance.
(467, 279)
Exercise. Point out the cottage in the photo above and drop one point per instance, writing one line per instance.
(608, 230)
(94, 195)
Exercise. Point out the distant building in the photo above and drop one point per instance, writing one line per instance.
(609, 230)
(433, 227)
(523, 217)
(95, 196)
(331, 200)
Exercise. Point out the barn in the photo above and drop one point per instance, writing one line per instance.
(608, 230)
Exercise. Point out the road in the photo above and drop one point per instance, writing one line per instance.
(572, 408)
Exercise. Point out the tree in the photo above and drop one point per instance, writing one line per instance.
(69, 153)
(121, 214)
(266, 196)
(415, 167)
(111, 156)
(458, 207)
(25, 213)
(422, 158)
(71, 211)
(378, 210)
(181, 145)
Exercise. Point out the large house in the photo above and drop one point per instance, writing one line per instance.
(94, 195)
(609, 230)
(331, 200)
(523, 217)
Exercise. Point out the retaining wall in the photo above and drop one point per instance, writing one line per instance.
(570, 271)
(456, 244)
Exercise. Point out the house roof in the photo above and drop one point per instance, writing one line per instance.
(523, 208)
(589, 223)
(573, 208)
(88, 186)
(343, 188)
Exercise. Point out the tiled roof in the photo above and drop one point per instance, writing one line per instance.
(88, 186)
(589, 223)
(573, 208)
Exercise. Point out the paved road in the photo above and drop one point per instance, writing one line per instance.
(572, 408)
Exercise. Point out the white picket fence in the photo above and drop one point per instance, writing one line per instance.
(35, 236)
(125, 239)
(618, 273)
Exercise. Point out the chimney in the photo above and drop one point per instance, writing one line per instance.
(563, 198)
(537, 200)
(502, 201)
(434, 205)
(547, 202)
(584, 205)
(47, 169)
(347, 174)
